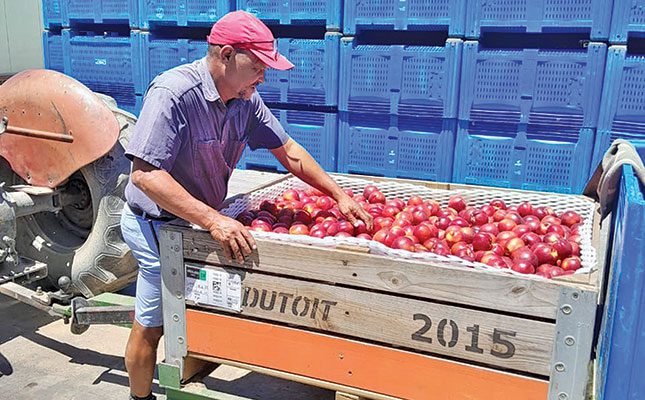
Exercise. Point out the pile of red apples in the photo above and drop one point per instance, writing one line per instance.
(525, 238)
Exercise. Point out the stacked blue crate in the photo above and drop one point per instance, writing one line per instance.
(398, 109)
(527, 117)
(621, 348)
(628, 19)
(592, 16)
(315, 131)
(53, 12)
(295, 12)
(106, 63)
(162, 54)
(405, 15)
(181, 12)
(54, 56)
(101, 12)
(313, 81)
(622, 111)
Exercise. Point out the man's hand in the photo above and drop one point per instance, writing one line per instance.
(353, 211)
(235, 238)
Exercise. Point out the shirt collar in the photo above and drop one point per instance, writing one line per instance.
(208, 85)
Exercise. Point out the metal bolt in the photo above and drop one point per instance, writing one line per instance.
(175, 317)
(575, 295)
(175, 248)
(566, 309)
(172, 236)
(341, 356)
(195, 250)
(179, 295)
(562, 396)
(173, 271)
(180, 340)
(39, 290)
(559, 367)
(569, 340)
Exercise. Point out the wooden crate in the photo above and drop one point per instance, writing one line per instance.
(378, 327)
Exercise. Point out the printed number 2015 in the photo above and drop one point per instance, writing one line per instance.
(448, 336)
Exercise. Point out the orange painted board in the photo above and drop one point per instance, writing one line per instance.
(347, 362)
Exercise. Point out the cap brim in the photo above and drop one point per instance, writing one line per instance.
(280, 62)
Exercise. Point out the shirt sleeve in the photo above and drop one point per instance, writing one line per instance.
(159, 131)
(264, 129)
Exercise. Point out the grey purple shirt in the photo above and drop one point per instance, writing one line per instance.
(185, 128)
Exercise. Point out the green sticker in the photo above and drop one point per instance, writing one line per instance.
(202, 274)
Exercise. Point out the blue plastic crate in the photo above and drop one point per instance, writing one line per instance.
(106, 64)
(134, 109)
(405, 15)
(53, 13)
(622, 110)
(560, 16)
(404, 147)
(181, 12)
(627, 19)
(412, 81)
(559, 88)
(505, 155)
(327, 13)
(313, 81)
(621, 349)
(101, 12)
(315, 131)
(53, 51)
(160, 55)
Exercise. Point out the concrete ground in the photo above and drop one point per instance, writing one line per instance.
(41, 359)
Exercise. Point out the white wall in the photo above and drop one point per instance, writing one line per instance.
(20, 35)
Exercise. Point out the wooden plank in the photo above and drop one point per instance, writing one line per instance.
(484, 337)
(436, 281)
(347, 396)
(364, 366)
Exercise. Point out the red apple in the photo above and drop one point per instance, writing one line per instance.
(570, 218)
(531, 239)
(392, 234)
(380, 235)
(302, 217)
(506, 225)
(499, 215)
(563, 248)
(498, 249)
(504, 237)
(483, 241)
(523, 267)
(424, 232)
(458, 221)
(498, 204)
(415, 200)
(269, 206)
(280, 229)
(346, 226)
(376, 197)
(404, 243)
(490, 228)
(291, 195)
(521, 229)
(514, 244)
(382, 222)
(390, 211)
(488, 209)
(571, 263)
(559, 229)
(441, 249)
(419, 248)
(545, 253)
(299, 229)
(369, 189)
(418, 217)
(319, 233)
(442, 223)
(525, 254)
(342, 234)
(364, 236)
(457, 203)
(479, 218)
(525, 209)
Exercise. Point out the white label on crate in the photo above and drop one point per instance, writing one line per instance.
(214, 287)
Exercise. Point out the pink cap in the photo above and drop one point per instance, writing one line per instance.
(244, 30)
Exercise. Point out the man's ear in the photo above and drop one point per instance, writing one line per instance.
(226, 53)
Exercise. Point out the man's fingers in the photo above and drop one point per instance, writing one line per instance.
(367, 218)
(249, 238)
(227, 250)
(243, 245)
(235, 248)
(351, 218)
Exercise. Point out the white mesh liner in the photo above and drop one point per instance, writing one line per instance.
(474, 197)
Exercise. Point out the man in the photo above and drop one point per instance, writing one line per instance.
(196, 120)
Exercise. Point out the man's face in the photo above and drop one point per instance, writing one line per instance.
(247, 74)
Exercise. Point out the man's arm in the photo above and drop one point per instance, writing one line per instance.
(166, 192)
(300, 163)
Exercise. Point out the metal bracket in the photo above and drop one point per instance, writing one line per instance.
(84, 315)
(574, 335)
(173, 288)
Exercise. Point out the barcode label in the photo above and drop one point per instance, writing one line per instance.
(214, 287)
